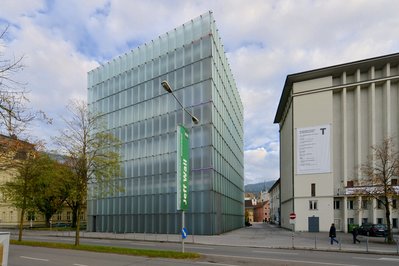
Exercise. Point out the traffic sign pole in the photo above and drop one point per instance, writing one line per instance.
(183, 227)
(292, 221)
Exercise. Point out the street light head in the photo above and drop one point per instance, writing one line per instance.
(195, 120)
(166, 86)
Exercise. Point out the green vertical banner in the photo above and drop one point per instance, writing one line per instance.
(183, 167)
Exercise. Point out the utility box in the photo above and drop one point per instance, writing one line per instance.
(4, 246)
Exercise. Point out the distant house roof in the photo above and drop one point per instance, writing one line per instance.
(248, 204)
(11, 144)
(8, 140)
(275, 185)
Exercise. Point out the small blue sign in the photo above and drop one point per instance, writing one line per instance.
(184, 233)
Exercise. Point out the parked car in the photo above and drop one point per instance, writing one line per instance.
(373, 230)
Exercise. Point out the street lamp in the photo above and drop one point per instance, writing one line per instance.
(165, 84)
(183, 158)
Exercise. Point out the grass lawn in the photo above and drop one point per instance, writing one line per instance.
(115, 250)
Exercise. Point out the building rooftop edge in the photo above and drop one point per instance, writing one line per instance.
(321, 72)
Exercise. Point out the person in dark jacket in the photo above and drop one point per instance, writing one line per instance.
(333, 234)
(355, 233)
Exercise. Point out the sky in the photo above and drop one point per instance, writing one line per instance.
(264, 41)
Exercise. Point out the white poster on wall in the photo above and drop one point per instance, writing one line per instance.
(313, 150)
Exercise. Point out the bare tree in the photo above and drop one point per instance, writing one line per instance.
(15, 115)
(92, 154)
(381, 168)
(13, 101)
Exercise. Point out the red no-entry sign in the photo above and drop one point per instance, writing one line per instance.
(292, 216)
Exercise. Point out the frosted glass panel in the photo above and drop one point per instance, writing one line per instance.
(144, 116)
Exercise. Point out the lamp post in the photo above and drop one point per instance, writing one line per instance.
(183, 154)
(165, 84)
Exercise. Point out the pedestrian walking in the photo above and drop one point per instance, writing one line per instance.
(333, 234)
(355, 233)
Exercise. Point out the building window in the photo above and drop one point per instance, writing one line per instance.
(313, 189)
(336, 204)
(365, 220)
(68, 216)
(59, 216)
(394, 182)
(350, 205)
(11, 216)
(395, 223)
(30, 216)
(380, 220)
(351, 221)
(364, 204)
(349, 184)
(394, 204)
(312, 204)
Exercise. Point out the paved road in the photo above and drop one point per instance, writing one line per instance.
(259, 244)
(33, 256)
(214, 255)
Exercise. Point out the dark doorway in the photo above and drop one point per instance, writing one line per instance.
(313, 224)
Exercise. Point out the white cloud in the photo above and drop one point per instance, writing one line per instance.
(264, 41)
(54, 74)
(260, 164)
(12, 11)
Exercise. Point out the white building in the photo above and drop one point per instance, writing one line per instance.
(274, 194)
(329, 118)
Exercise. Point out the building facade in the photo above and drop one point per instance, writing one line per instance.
(329, 118)
(127, 91)
(274, 195)
(13, 152)
(249, 211)
(261, 211)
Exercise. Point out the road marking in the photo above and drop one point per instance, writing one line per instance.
(271, 259)
(213, 263)
(31, 258)
(274, 252)
(384, 259)
(389, 259)
(364, 258)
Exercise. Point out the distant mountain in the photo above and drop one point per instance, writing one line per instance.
(258, 187)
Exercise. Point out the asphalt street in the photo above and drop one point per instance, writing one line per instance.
(214, 255)
(260, 244)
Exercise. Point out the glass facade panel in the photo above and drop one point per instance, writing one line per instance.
(128, 93)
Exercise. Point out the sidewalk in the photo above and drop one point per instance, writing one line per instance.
(258, 235)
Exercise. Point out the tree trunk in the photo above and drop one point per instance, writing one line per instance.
(75, 214)
(388, 218)
(48, 218)
(74, 218)
(21, 224)
(77, 232)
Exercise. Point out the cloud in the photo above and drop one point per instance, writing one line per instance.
(11, 12)
(55, 71)
(260, 164)
(264, 41)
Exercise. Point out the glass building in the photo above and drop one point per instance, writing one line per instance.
(127, 91)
